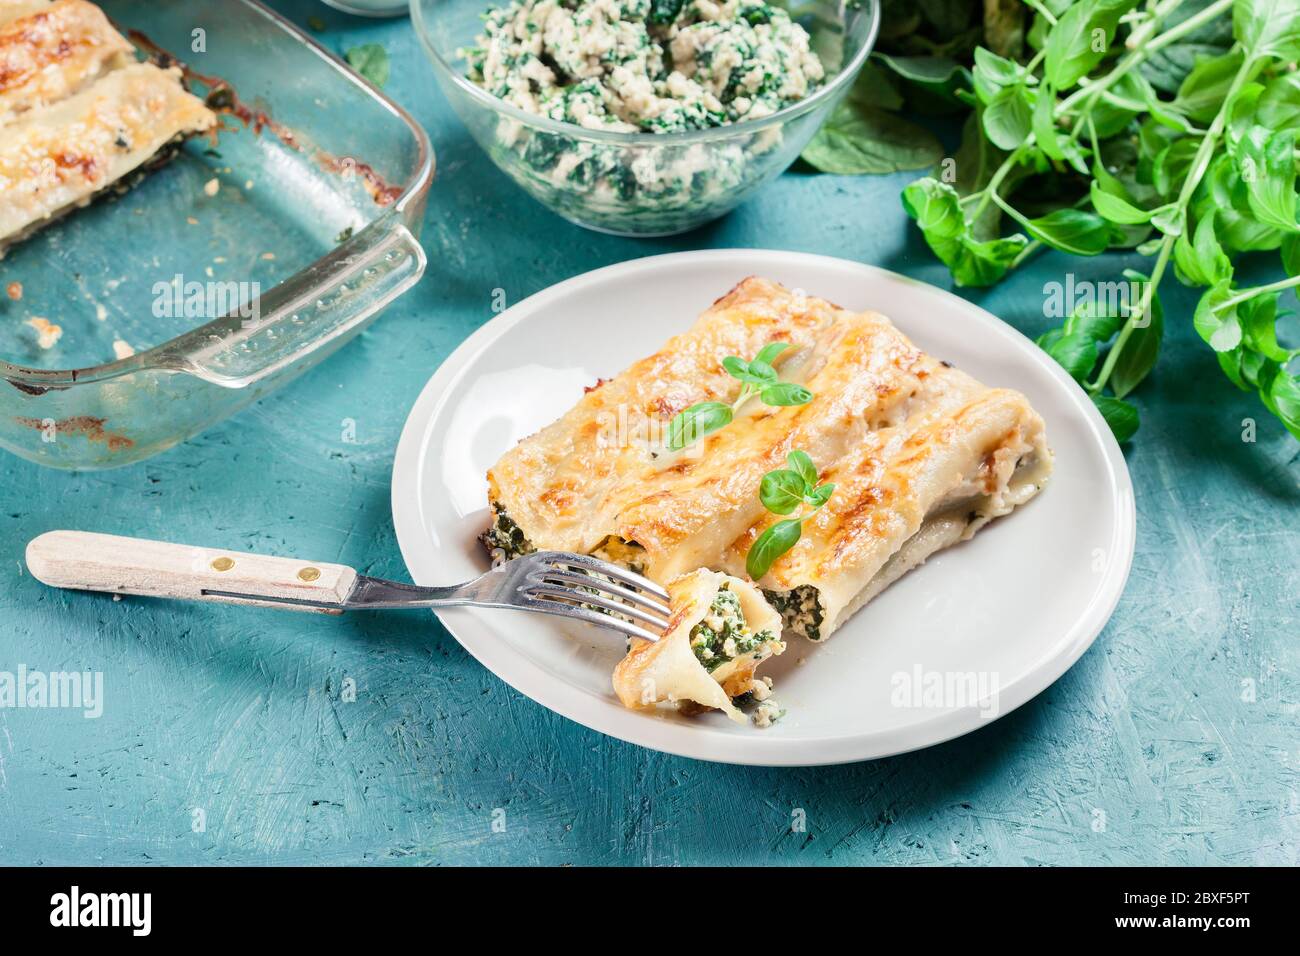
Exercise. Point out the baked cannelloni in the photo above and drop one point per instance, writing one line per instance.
(721, 630)
(53, 51)
(920, 454)
(77, 113)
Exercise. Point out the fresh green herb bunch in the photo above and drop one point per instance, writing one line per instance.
(921, 59)
(782, 492)
(758, 378)
(1166, 127)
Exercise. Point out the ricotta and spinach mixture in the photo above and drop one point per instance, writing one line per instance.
(723, 636)
(656, 66)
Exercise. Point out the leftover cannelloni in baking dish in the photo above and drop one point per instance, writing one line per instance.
(78, 114)
(905, 455)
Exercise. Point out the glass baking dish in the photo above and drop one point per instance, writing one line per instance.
(230, 270)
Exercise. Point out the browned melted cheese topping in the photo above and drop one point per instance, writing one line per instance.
(899, 433)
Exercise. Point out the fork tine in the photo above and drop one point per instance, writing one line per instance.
(588, 563)
(599, 600)
(597, 618)
(585, 580)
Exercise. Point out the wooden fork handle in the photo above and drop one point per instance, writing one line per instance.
(85, 561)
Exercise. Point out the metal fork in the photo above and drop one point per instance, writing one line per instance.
(547, 582)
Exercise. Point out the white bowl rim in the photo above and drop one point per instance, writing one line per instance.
(846, 75)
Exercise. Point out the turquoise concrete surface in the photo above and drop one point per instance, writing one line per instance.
(1176, 739)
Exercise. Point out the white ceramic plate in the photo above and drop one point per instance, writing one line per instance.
(1008, 611)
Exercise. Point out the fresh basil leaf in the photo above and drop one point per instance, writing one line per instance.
(875, 87)
(769, 352)
(1223, 193)
(781, 491)
(1140, 352)
(997, 71)
(736, 367)
(1008, 117)
(371, 61)
(1072, 49)
(936, 207)
(1088, 319)
(1257, 372)
(802, 465)
(929, 70)
(1279, 105)
(1075, 154)
(771, 544)
(1170, 167)
(1258, 317)
(785, 393)
(761, 372)
(1075, 231)
(1231, 362)
(1243, 112)
(821, 494)
(1077, 354)
(1201, 94)
(1203, 262)
(1268, 27)
(1167, 68)
(1115, 208)
(937, 210)
(1266, 164)
(1220, 328)
(1168, 219)
(1283, 400)
(694, 423)
(1044, 125)
(1120, 416)
(857, 140)
(1110, 119)
(984, 263)
(1152, 140)
(1291, 254)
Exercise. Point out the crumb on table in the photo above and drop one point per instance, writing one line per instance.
(47, 333)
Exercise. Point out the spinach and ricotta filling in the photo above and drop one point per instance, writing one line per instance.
(724, 635)
(644, 65)
(504, 539)
(800, 609)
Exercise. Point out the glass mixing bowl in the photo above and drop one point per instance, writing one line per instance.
(644, 184)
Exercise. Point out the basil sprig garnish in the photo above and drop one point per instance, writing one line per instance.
(783, 492)
(757, 378)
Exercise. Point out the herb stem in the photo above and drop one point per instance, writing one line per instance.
(1038, 6)
(1033, 246)
(1280, 286)
(1195, 172)
(988, 192)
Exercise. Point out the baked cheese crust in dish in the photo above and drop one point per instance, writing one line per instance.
(921, 454)
(77, 113)
(53, 52)
(720, 631)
